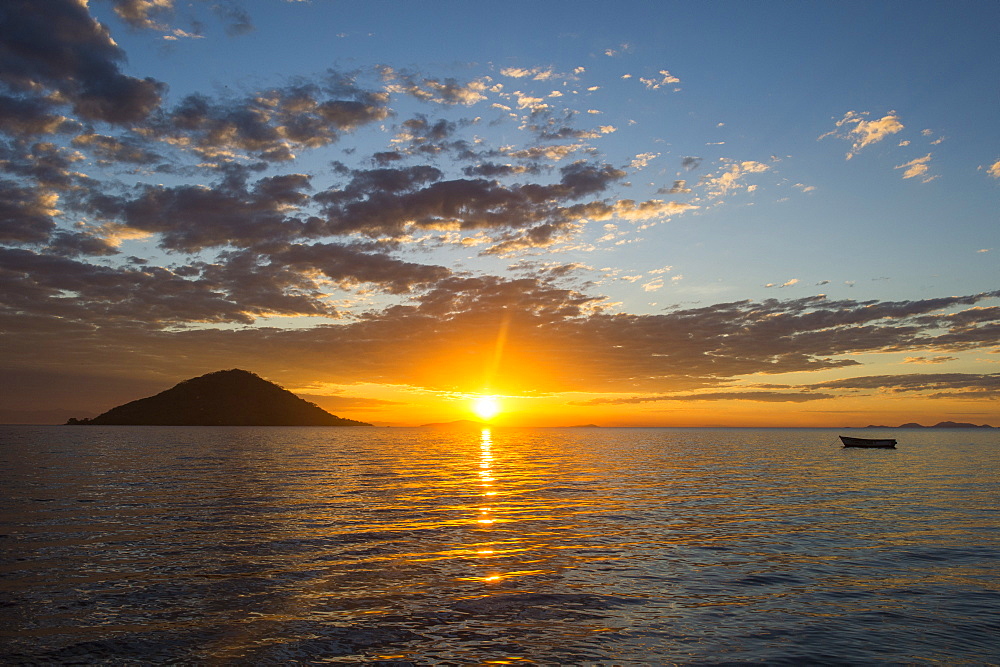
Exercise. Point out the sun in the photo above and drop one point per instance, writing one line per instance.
(486, 407)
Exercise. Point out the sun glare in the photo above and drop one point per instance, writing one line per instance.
(486, 407)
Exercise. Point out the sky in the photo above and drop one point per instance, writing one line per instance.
(623, 214)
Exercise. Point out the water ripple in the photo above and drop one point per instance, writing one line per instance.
(407, 546)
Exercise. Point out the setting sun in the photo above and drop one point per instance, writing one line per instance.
(486, 407)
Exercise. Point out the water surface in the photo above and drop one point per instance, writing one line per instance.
(360, 545)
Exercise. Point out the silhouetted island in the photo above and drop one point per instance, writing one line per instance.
(938, 425)
(223, 398)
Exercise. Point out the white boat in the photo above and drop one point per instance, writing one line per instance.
(884, 443)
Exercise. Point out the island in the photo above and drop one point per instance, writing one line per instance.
(224, 398)
(948, 424)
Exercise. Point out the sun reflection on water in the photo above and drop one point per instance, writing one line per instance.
(486, 512)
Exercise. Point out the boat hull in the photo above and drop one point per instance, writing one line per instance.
(874, 443)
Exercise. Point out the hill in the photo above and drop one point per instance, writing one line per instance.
(223, 398)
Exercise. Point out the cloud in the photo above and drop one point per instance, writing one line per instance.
(756, 396)
(535, 73)
(297, 280)
(114, 150)
(397, 202)
(861, 132)
(917, 167)
(624, 47)
(59, 287)
(557, 152)
(642, 160)
(526, 101)
(929, 385)
(627, 209)
(666, 78)
(423, 136)
(679, 187)
(447, 91)
(26, 214)
(994, 169)
(232, 212)
(75, 244)
(653, 285)
(731, 176)
(940, 359)
(272, 124)
(691, 163)
(58, 47)
(22, 117)
(142, 13)
(494, 170)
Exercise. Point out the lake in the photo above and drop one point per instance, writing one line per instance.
(419, 546)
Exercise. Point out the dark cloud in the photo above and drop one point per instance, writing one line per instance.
(423, 136)
(547, 126)
(272, 124)
(48, 166)
(679, 187)
(25, 117)
(57, 46)
(420, 129)
(115, 150)
(691, 163)
(236, 17)
(75, 244)
(757, 396)
(63, 288)
(932, 385)
(551, 270)
(350, 266)
(288, 279)
(232, 212)
(384, 158)
(388, 201)
(26, 214)
(493, 170)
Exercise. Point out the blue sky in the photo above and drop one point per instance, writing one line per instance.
(302, 170)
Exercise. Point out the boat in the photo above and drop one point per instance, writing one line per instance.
(884, 443)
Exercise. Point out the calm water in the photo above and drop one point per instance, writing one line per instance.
(237, 545)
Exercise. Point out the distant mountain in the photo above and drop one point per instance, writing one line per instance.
(223, 398)
(461, 423)
(938, 425)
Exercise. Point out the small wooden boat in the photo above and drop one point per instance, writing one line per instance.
(884, 443)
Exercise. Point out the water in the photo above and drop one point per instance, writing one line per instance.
(613, 546)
